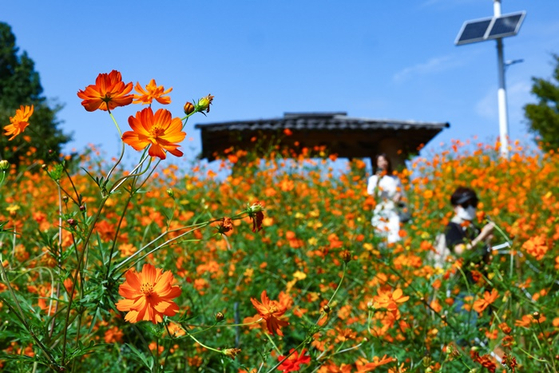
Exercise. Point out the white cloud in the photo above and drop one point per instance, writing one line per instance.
(434, 65)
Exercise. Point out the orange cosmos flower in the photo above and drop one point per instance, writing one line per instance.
(148, 295)
(536, 246)
(481, 304)
(108, 92)
(364, 366)
(159, 130)
(390, 300)
(271, 311)
(19, 122)
(152, 92)
(293, 362)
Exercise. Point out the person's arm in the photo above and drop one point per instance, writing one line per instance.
(486, 231)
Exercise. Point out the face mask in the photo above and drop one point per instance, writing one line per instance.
(468, 213)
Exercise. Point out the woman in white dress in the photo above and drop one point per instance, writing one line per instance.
(388, 191)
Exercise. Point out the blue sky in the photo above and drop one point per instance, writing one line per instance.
(372, 59)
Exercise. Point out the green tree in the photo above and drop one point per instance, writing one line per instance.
(543, 117)
(20, 85)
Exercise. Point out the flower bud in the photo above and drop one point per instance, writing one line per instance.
(82, 208)
(231, 352)
(171, 193)
(204, 103)
(346, 255)
(219, 316)
(189, 108)
(536, 315)
(72, 222)
(326, 309)
(4, 165)
(256, 206)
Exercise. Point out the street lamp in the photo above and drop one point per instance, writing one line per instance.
(495, 28)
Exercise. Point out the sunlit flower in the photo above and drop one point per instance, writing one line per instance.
(390, 301)
(481, 304)
(293, 362)
(159, 130)
(365, 366)
(108, 92)
(148, 295)
(19, 122)
(536, 246)
(152, 92)
(271, 311)
(175, 330)
(12, 209)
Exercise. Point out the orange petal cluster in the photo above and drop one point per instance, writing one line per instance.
(536, 246)
(294, 361)
(390, 300)
(159, 130)
(108, 92)
(272, 311)
(152, 92)
(19, 122)
(481, 304)
(364, 366)
(148, 295)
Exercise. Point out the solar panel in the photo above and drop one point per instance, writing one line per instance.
(490, 28)
(473, 31)
(506, 26)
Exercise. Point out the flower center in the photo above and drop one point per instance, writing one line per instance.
(272, 309)
(157, 131)
(146, 289)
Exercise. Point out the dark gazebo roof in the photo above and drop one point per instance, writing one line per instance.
(346, 136)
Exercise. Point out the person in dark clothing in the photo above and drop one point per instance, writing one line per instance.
(463, 237)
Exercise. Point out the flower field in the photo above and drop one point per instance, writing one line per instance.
(275, 267)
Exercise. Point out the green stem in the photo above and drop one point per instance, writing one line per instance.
(272, 342)
(116, 235)
(116, 124)
(203, 345)
(21, 315)
(80, 259)
(117, 162)
(552, 358)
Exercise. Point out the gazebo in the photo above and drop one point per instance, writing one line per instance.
(345, 136)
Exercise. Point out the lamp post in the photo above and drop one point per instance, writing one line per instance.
(496, 27)
(501, 92)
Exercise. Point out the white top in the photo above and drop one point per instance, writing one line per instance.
(386, 190)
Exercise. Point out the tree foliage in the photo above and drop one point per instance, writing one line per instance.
(543, 117)
(20, 85)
